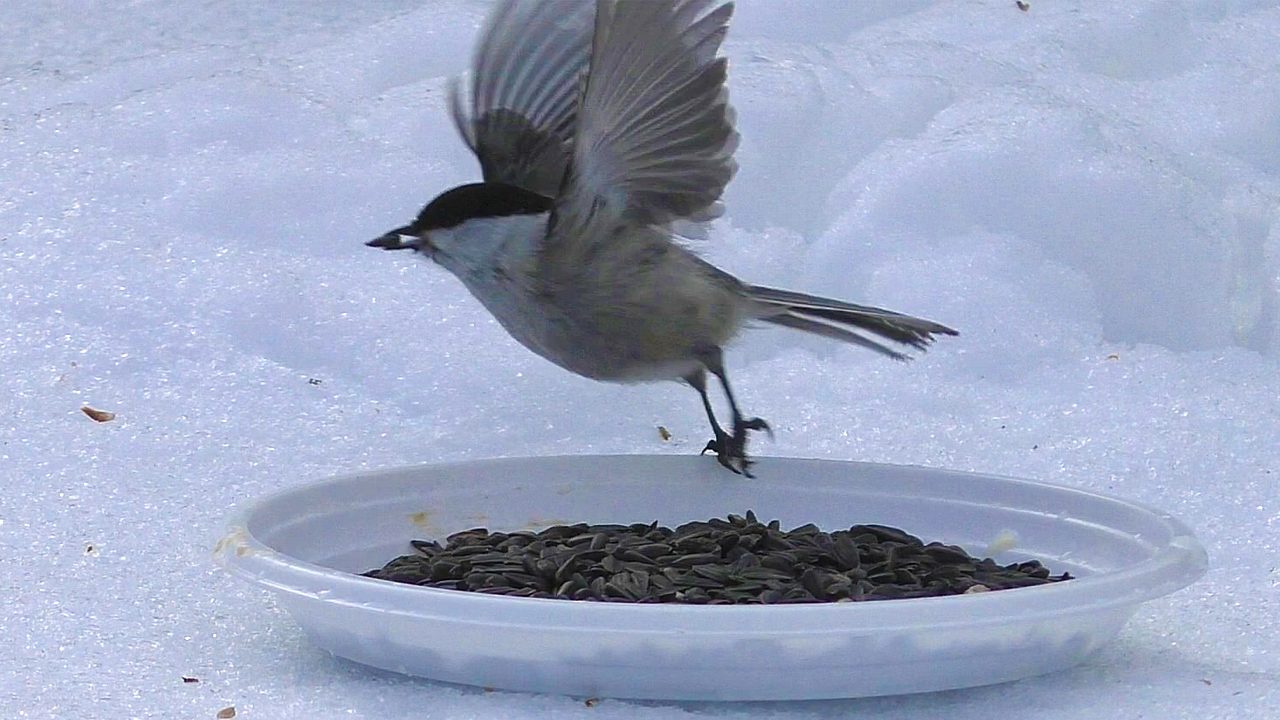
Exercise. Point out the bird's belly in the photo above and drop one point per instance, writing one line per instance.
(655, 330)
(611, 351)
(652, 372)
(611, 357)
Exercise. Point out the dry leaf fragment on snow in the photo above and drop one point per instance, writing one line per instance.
(98, 415)
(227, 712)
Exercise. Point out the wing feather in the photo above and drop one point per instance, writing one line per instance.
(519, 114)
(655, 137)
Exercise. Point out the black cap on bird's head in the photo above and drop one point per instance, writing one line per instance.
(465, 202)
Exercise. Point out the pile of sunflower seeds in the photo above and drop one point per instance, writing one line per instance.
(737, 560)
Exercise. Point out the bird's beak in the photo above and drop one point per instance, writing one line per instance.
(398, 240)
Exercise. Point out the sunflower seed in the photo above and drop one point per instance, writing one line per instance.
(695, 559)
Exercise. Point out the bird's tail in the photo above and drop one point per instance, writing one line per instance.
(840, 320)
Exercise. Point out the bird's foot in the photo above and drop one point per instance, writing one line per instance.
(731, 450)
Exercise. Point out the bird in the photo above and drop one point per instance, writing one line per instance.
(599, 126)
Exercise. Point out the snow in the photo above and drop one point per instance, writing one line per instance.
(1089, 192)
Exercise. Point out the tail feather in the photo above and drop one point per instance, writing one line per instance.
(838, 320)
(834, 332)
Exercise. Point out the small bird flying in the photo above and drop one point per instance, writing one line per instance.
(598, 124)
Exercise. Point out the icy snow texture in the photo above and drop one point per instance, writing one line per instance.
(1088, 191)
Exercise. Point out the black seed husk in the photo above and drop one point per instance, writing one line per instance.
(734, 560)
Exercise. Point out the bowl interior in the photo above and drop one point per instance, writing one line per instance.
(355, 524)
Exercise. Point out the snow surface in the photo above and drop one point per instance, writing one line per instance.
(1087, 190)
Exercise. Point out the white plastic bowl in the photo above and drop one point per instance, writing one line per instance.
(309, 543)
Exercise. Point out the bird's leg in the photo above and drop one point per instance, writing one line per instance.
(737, 450)
(720, 443)
(731, 450)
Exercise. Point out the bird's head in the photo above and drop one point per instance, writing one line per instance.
(464, 223)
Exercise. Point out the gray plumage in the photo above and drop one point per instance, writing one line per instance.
(597, 126)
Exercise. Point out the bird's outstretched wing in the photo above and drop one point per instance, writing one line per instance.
(519, 115)
(655, 137)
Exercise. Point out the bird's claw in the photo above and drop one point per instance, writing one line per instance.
(731, 450)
